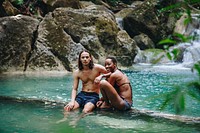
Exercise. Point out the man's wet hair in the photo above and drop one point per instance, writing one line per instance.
(80, 65)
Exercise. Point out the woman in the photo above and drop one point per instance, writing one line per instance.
(116, 89)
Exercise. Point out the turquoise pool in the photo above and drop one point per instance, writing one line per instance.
(34, 103)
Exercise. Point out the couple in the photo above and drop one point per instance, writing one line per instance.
(116, 89)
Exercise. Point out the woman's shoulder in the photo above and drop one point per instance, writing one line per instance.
(117, 73)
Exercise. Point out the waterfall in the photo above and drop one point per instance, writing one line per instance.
(190, 50)
(192, 53)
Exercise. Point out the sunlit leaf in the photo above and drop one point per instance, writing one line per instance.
(187, 21)
(169, 56)
(188, 11)
(168, 99)
(167, 41)
(175, 52)
(18, 2)
(179, 103)
(197, 67)
(155, 61)
(181, 36)
(194, 94)
(164, 104)
(175, 6)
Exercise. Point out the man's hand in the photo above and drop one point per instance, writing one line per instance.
(69, 106)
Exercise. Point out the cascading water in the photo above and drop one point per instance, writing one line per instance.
(191, 49)
(192, 52)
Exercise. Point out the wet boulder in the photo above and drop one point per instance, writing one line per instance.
(16, 41)
(148, 20)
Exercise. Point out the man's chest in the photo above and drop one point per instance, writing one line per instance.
(86, 76)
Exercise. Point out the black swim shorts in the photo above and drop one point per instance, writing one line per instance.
(84, 97)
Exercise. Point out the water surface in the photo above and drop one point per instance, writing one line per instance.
(33, 113)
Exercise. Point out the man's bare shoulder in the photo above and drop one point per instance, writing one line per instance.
(99, 67)
(76, 72)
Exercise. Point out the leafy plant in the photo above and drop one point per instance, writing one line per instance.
(18, 2)
(28, 7)
(192, 89)
(185, 6)
(177, 96)
(174, 40)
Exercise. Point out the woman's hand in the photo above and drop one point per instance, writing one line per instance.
(99, 103)
(98, 79)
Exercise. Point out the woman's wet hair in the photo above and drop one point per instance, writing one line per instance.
(113, 59)
(80, 65)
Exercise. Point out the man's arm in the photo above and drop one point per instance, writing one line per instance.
(71, 104)
(75, 87)
(103, 69)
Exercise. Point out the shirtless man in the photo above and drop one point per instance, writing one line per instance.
(116, 89)
(87, 73)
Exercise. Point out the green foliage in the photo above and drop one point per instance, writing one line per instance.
(113, 2)
(197, 68)
(194, 90)
(18, 2)
(182, 7)
(177, 96)
(183, 38)
(175, 53)
(171, 7)
(174, 40)
(28, 7)
(155, 61)
(167, 41)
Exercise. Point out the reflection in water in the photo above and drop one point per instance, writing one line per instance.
(137, 124)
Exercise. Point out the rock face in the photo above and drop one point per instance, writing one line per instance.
(146, 20)
(16, 41)
(55, 42)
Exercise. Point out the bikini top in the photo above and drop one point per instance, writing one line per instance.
(117, 87)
